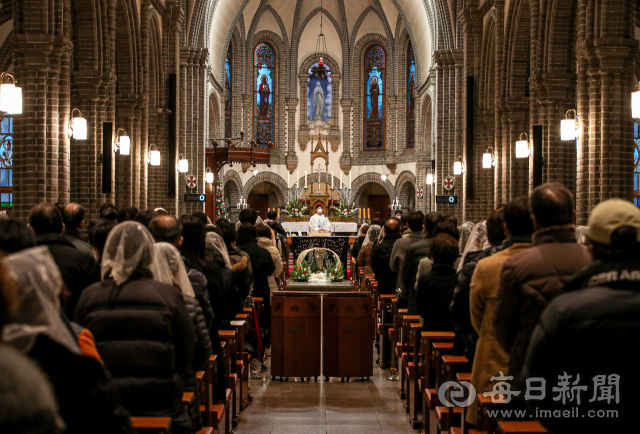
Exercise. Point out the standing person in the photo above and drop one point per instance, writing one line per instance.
(266, 240)
(600, 305)
(417, 226)
(35, 327)
(319, 222)
(78, 269)
(364, 257)
(240, 262)
(141, 326)
(232, 299)
(381, 258)
(531, 279)
(357, 244)
(15, 236)
(73, 219)
(484, 279)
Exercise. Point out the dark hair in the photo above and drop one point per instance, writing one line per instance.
(398, 212)
(72, 215)
(221, 221)
(165, 228)
(415, 220)
(246, 233)
(552, 204)
(495, 226)
(624, 245)
(319, 206)
(451, 219)
(109, 214)
(277, 228)
(392, 226)
(107, 206)
(376, 222)
(447, 228)
(228, 233)
(60, 206)
(161, 211)
(272, 215)
(431, 220)
(517, 217)
(263, 231)
(364, 228)
(405, 219)
(444, 249)
(45, 219)
(7, 294)
(202, 216)
(15, 236)
(214, 229)
(248, 215)
(126, 214)
(99, 233)
(194, 242)
(145, 217)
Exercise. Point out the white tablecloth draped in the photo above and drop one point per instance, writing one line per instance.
(304, 227)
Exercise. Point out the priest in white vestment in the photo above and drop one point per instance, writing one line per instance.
(319, 222)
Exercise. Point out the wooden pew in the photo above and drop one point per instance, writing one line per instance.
(406, 353)
(464, 428)
(155, 425)
(393, 338)
(384, 323)
(233, 381)
(433, 345)
(449, 417)
(246, 359)
(520, 427)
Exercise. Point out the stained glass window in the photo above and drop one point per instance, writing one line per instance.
(636, 164)
(228, 106)
(264, 92)
(6, 162)
(374, 98)
(411, 103)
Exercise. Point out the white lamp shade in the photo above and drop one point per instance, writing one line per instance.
(486, 161)
(384, 177)
(635, 104)
(80, 128)
(155, 158)
(568, 129)
(457, 168)
(125, 145)
(182, 164)
(522, 149)
(255, 172)
(10, 99)
(209, 177)
(429, 178)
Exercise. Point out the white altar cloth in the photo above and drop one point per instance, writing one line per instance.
(303, 227)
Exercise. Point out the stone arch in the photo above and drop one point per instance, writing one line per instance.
(366, 41)
(361, 181)
(230, 32)
(276, 180)
(406, 190)
(281, 26)
(214, 116)
(517, 49)
(232, 188)
(406, 176)
(427, 125)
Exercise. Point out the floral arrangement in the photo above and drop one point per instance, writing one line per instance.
(321, 265)
(295, 208)
(335, 272)
(301, 273)
(221, 206)
(345, 209)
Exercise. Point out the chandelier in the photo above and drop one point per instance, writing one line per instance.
(319, 70)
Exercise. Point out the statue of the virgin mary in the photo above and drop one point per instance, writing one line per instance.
(318, 102)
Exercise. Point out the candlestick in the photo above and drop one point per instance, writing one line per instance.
(341, 179)
(298, 177)
(349, 179)
(278, 212)
(288, 181)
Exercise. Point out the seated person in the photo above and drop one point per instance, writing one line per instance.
(319, 222)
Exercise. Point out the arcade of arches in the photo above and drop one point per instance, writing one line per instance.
(413, 87)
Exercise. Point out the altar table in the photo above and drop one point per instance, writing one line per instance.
(340, 227)
(338, 245)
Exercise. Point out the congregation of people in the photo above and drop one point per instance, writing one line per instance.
(104, 321)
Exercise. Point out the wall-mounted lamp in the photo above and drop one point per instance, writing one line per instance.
(10, 95)
(384, 177)
(569, 126)
(429, 178)
(154, 156)
(183, 163)
(122, 143)
(522, 146)
(255, 172)
(488, 159)
(635, 103)
(209, 176)
(77, 126)
(458, 166)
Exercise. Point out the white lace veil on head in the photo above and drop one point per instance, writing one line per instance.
(581, 234)
(168, 267)
(38, 287)
(215, 241)
(478, 240)
(129, 246)
(372, 234)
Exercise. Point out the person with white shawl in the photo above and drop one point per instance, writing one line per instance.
(142, 327)
(266, 240)
(36, 328)
(364, 257)
(217, 250)
(169, 268)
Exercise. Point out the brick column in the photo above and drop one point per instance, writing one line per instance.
(292, 157)
(345, 158)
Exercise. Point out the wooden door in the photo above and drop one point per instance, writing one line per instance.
(379, 206)
(259, 202)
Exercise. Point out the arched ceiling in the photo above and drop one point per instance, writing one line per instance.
(386, 17)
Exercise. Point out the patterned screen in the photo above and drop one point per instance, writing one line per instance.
(411, 103)
(374, 99)
(228, 106)
(264, 93)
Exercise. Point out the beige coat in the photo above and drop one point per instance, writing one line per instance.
(277, 261)
(490, 357)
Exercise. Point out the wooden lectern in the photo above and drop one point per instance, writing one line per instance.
(319, 234)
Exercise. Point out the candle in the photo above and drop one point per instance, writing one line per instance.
(298, 177)
(368, 213)
(349, 179)
(278, 212)
(359, 213)
(332, 183)
(305, 178)
(341, 179)
(288, 180)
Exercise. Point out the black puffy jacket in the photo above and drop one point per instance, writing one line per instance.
(146, 339)
(262, 266)
(380, 264)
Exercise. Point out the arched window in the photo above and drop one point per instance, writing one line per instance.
(374, 98)
(228, 105)
(264, 94)
(636, 164)
(6, 164)
(411, 97)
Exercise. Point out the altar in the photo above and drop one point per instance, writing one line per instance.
(303, 227)
(338, 244)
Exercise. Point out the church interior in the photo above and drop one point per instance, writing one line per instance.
(197, 237)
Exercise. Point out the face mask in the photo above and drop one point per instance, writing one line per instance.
(319, 211)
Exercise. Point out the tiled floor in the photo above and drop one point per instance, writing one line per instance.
(332, 407)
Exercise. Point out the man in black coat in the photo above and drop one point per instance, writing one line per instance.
(73, 219)
(78, 269)
(588, 336)
(381, 258)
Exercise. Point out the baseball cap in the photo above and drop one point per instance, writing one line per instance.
(610, 215)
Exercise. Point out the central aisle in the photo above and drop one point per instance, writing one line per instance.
(358, 407)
